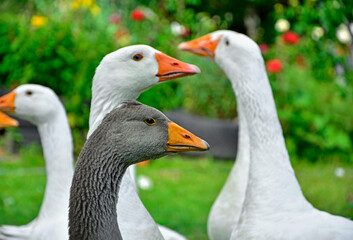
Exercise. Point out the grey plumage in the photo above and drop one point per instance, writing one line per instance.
(123, 138)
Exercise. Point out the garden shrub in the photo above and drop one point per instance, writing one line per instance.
(59, 44)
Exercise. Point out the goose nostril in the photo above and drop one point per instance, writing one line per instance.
(186, 136)
(175, 64)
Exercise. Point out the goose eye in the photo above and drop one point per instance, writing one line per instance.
(150, 121)
(137, 57)
(227, 42)
(29, 93)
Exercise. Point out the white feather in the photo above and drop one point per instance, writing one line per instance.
(274, 205)
(117, 78)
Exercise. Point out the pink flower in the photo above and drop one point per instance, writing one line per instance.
(291, 37)
(115, 18)
(264, 48)
(137, 15)
(274, 66)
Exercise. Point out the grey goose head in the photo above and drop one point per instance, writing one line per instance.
(141, 132)
(131, 133)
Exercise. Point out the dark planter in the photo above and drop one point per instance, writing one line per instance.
(222, 135)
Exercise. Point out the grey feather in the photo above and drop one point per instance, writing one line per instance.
(123, 138)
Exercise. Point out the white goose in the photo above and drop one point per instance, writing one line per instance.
(225, 211)
(42, 107)
(274, 206)
(122, 75)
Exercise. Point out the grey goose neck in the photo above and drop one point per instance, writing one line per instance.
(94, 192)
(123, 138)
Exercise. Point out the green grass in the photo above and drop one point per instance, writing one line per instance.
(183, 190)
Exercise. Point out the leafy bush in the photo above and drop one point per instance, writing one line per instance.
(314, 91)
(316, 123)
(59, 44)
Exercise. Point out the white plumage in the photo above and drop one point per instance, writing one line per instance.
(42, 107)
(225, 211)
(274, 206)
(118, 77)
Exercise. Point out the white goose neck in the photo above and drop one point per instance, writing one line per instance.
(272, 183)
(108, 91)
(106, 96)
(57, 145)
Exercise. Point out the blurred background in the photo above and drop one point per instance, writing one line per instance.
(308, 49)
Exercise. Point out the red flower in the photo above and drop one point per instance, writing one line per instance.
(264, 48)
(274, 66)
(137, 15)
(290, 37)
(114, 18)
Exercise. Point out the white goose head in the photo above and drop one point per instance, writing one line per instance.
(137, 68)
(35, 103)
(126, 73)
(227, 48)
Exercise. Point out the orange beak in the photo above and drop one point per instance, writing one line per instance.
(194, 47)
(7, 102)
(203, 46)
(181, 140)
(171, 68)
(6, 121)
(210, 46)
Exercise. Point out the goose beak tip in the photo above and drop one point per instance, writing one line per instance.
(207, 146)
(182, 46)
(196, 70)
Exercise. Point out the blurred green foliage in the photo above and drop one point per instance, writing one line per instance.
(314, 91)
(62, 48)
